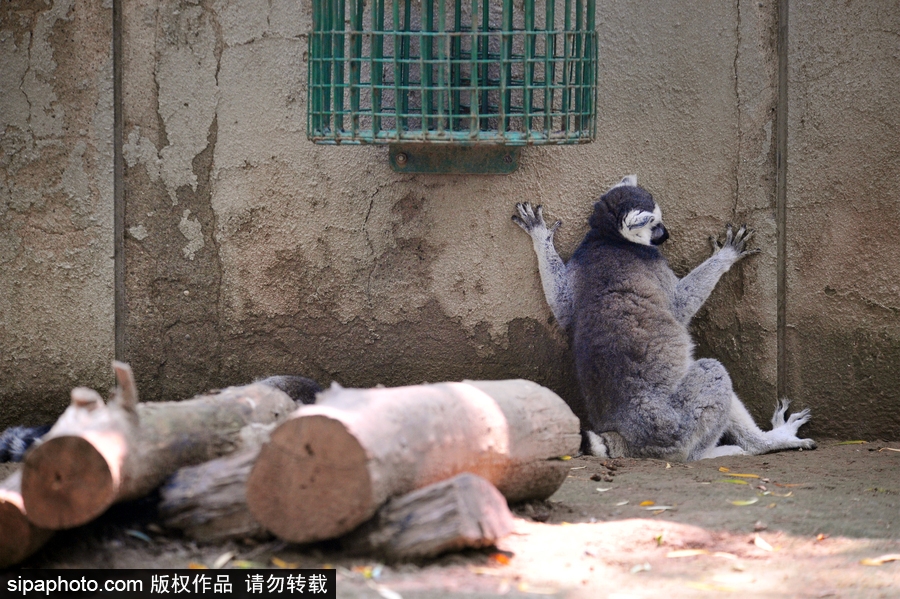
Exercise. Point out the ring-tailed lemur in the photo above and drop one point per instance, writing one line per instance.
(15, 441)
(627, 315)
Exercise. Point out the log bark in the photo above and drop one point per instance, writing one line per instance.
(19, 538)
(208, 502)
(465, 511)
(98, 454)
(330, 466)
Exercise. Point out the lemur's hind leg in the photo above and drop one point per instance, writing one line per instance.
(685, 425)
(783, 435)
(709, 408)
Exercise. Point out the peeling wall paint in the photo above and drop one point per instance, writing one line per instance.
(56, 289)
(251, 251)
(322, 261)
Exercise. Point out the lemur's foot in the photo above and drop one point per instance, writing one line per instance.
(734, 242)
(531, 219)
(603, 445)
(784, 432)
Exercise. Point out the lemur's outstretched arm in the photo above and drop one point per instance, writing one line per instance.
(554, 273)
(694, 289)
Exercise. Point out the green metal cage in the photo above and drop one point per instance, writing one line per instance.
(454, 72)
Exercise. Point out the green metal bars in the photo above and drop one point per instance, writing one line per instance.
(452, 71)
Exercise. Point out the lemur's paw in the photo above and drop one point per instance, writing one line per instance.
(786, 437)
(734, 242)
(795, 421)
(799, 419)
(807, 444)
(781, 407)
(784, 432)
(531, 218)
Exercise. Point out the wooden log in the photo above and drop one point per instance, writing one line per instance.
(330, 466)
(98, 454)
(19, 538)
(208, 502)
(462, 512)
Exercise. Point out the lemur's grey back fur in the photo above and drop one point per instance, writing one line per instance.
(298, 388)
(627, 316)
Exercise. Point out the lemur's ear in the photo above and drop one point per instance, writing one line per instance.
(629, 181)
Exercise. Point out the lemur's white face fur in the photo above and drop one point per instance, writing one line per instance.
(640, 226)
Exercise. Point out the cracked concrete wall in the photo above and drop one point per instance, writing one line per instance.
(252, 251)
(843, 296)
(56, 204)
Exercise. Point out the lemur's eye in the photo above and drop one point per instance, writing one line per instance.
(640, 222)
(636, 220)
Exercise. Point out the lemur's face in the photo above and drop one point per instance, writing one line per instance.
(644, 227)
(638, 218)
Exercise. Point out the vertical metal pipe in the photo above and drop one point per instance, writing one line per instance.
(781, 174)
(119, 306)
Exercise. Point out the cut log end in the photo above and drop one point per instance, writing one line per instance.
(66, 482)
(19, 538)
(311, 481)
(13, 525)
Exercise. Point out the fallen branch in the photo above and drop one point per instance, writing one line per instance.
(330, 466)
(98, 454)
(208, 503)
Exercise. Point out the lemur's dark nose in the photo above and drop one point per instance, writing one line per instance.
(658, 234)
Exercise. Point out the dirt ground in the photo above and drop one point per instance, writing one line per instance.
(822, 523)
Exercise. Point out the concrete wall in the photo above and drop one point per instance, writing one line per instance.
(843, 295)
(56, 204)
(251, 251)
